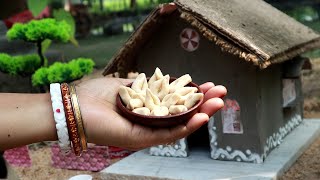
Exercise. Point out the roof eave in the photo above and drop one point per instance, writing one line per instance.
(122, 60)
(295, 51)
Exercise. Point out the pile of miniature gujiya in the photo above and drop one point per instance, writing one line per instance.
(158, 97)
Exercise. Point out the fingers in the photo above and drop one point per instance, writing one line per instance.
(214, 92)
(212, 102)
(211, 106)
(196, 122)
(168, 8)
(124, 81)
(206, 86)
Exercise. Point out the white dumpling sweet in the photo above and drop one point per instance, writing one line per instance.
(160, 87)
(156, 76)
(151, 100)
(140, 96)
(180, 83)
(140, 84)
(177, 109)
(159, 97)
(126, 94)
(132, 75)
(193, 99)
(142, 111)
(170, 99)
(160, 111)
(184, 93)
(134, 103)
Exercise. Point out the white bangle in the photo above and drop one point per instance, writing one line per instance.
(60, 118)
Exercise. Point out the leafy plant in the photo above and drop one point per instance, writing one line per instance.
(19, 65)
(62, 72)
(36, 6)
(37, 31)
(124, 5)
(62, 15)
(42, 33)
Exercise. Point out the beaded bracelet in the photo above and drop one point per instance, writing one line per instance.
(71, 121)
(59, 117)
(77, 114)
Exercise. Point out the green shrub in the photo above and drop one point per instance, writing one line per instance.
(19, 65)
(62, 72)
(40, 77)
(39, 30)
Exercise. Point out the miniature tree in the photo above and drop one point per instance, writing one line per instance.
(62, 72)
(19, 65)
(37, 31)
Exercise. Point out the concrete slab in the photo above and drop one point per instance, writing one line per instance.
(199, 165)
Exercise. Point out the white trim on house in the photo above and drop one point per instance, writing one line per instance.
(179, 149)
(248, 156)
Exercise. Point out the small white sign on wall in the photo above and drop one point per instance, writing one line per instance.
(288, 92)
(231, 121)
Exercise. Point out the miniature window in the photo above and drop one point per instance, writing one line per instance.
(289, 94)
(231, 121)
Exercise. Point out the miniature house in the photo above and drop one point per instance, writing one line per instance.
(249, 47)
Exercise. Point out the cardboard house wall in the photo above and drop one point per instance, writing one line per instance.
(262, 105)
(257, 92)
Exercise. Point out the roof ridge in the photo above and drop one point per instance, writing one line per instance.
(222, 43)
(240, 41)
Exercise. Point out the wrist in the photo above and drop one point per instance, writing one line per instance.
(48, 130)
(68, 119)
(85, 112)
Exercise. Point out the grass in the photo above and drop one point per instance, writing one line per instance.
(123, 5)
(99, 48)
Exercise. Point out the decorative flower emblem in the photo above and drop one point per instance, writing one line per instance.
(190, 39)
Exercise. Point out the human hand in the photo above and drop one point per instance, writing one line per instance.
(168, 8)
(105, 126)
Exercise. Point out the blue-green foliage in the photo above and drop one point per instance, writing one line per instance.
(19, 65)
(62, 72)
(39, 30)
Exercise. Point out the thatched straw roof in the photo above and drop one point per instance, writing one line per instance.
(251, 29)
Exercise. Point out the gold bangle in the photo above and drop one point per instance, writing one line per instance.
(78, 117)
